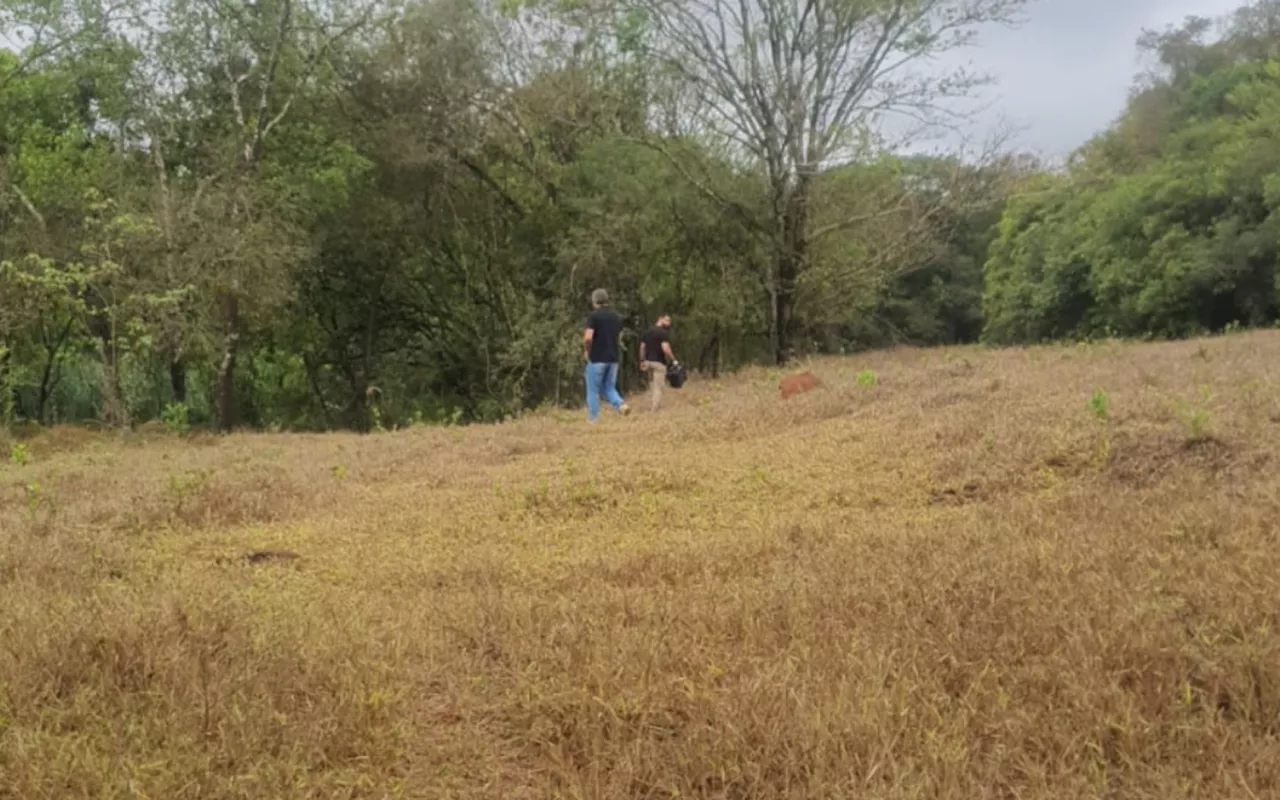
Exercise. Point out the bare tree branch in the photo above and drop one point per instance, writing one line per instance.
(268, 82)
(29, 206)
(742, 212)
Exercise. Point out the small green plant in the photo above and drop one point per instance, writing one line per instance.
(339, 472)
(35, 500)
(375, 419)
(866, 379)
(41, 508)
(1100, 405)
(1195, 417)
(184, 485)
(1197, 424)
(176, 418)
(19, 455)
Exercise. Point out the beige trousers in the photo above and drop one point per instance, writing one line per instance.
(657, 379)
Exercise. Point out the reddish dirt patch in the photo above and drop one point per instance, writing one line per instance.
(797, 384)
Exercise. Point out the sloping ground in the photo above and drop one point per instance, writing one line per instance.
(959, 582)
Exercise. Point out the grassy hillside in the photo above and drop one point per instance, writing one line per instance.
(945, 574)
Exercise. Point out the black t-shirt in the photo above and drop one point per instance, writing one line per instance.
(606, 326)
(653, 340)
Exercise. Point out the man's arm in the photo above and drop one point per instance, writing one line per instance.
(587, 336)
(642, 358)
(666, 348)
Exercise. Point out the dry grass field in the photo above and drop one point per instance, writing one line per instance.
(943, 574)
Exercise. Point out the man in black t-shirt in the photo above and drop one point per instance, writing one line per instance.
(656, 356)
(600, 346)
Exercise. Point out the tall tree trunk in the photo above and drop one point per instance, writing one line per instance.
(314, 380)
(358, 412)
(178, 379)
(789, 265)
(7, 402)
(710, 353)
(227, 366)
(782, 305)
(114, 412)
(50, 374)
(46, 388)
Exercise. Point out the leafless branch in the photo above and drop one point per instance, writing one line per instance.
(29, 206)
(268, 81)
(39, 49)
(234, 82)
(311, 64)
(705, 187)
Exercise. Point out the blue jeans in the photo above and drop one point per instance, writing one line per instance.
(602, 379)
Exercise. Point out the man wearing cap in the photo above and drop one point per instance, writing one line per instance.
(600, 346)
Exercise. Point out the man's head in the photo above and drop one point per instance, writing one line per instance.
(664, 321)
(599, 298)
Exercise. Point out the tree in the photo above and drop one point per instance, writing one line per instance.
(795, 87)
(224, 79)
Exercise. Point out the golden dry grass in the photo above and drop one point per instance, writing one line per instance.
(958, 582)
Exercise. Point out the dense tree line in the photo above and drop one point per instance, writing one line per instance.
(1167, 223)
(309, 214)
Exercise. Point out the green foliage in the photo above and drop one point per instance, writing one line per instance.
(1167, 225)
(176, 418)
(1100, 405)
(866, 379)
(186, 485)
(1196, 421)
(19, 455)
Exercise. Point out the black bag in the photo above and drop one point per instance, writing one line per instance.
(677, 375)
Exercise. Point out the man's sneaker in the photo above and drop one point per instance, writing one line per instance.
(626, 410)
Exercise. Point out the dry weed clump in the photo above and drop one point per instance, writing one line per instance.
(1036, 573)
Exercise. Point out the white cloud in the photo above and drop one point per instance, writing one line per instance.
(1065, 74)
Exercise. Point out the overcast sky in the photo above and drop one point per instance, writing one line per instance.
(1065, 73)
